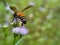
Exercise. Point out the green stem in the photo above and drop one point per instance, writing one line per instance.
(5, 34)
(15, 35)
(19, 41)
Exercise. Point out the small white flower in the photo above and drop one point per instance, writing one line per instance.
(32, 3)
(7, 7)
(5, 25)
(42, 9)
(31, 15)
(49, 16)
(16, 30)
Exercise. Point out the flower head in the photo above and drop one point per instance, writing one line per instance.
(31, 15)
(7, 7)
(23, 30)
(20, 30)
(42, 9)
(5, 25)
(50, 15)
(16, 30)
(32, 3)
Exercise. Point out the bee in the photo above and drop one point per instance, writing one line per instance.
(19, 14)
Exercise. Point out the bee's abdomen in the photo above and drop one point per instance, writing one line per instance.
(23, 19)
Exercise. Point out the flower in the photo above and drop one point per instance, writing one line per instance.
(42, 9)
(50, 15)
(32, 3)
(5, 25)
(16, 30)
(7, 7)
(31, 15)
(23, 30)
(20, 30)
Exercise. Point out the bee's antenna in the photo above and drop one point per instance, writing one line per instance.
(13, 8)
(27, 8)
(22, 24)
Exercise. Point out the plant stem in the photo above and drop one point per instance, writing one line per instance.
(19, 41)
(15, 35)
(5, 34)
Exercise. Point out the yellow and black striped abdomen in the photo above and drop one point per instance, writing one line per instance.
(22, 17)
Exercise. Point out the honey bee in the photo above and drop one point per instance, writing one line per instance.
(19, 14)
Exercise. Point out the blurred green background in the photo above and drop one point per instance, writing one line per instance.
(43, 21)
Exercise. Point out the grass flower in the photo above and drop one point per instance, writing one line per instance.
(32, 3)
(42, 9)
(5, 25)
(50, 15)
(31, 15)
(7, 8)
(20, 30)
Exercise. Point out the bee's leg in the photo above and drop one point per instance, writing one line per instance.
(16, 21)
(13, 19)
(22, 24)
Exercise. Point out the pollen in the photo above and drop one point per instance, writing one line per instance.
(20, 14)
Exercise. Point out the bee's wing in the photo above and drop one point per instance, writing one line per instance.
(26, 8)
(13, 8)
